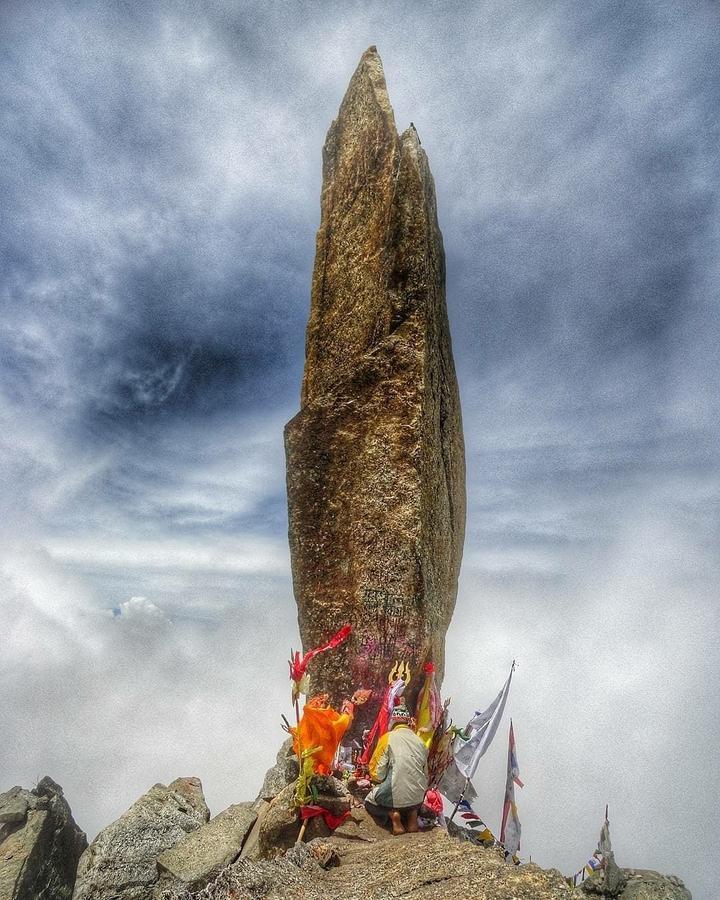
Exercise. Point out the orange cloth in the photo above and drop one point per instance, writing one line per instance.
(324, 728)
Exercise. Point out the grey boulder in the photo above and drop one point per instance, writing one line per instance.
(201, 855)
(644, 884)
(40, 844)
(121, 863)
(284, 772)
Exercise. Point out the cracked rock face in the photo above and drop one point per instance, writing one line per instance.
(40, 844)
(121, 863)
(375, 457)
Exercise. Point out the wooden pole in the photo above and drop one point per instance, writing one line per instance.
(460, 798)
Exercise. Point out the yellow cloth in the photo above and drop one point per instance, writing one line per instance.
(324, 728)
(428, 703)
(379, 753)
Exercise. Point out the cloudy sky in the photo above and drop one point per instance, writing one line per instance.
(159, 181)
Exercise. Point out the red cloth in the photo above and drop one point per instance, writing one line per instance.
(331, 820)
(299, 664)
(433, 801)
(380, 726)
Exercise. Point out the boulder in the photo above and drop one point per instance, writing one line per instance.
(121, 863)
(332, 794)
(284, 772)
(14, 805)
(280, 825)
(359, 826)
(201, 855)
(251, 846)
(40, 844)
(644, 884)
(375, 456)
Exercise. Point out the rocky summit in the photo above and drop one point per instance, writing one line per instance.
(429, 866)
(40, 844)
(165, 847)
(375, 457)
(121, 863)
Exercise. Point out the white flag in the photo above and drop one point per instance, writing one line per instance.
(480, 732)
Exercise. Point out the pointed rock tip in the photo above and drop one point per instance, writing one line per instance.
(411, 134)
(370, 72)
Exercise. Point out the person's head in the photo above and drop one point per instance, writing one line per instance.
(400, 716)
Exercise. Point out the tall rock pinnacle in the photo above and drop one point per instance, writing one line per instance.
(375, 457)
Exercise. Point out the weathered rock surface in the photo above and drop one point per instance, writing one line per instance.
(201, 855)
(375, 458)
(360, 826)
(643, 884)
(251, 845)
(426, 866)
(283, 773)
(279, 826)
(40, 844)
(121, 863)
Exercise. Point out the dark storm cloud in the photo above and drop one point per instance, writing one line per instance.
(160, 189)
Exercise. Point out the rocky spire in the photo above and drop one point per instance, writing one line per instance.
(375, 458)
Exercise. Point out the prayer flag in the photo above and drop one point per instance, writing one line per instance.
(510, 828)
(471, 744)
(604, 846)
(382, 720)
(429, 710)
(594, 863)
(299, 663)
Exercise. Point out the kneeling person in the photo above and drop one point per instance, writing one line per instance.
(399, 770)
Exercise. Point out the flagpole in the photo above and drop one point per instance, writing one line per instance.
(460, 799)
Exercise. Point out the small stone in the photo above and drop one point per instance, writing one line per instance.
(324, 852)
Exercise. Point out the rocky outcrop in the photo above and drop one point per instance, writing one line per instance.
(413, 866)
(251, 844)
(40, 844)
(423, 866)
(280, 825)
(201, 855)
(607, 882)
(643, 884)
(375, 458)
(121, 863)
(283, 773)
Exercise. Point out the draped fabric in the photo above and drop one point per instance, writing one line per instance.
(429, 709)
(382, 720)
(472, 744)
(321, 727)
(511, 828)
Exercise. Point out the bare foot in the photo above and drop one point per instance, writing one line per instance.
(396, 822)
(412, 822)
